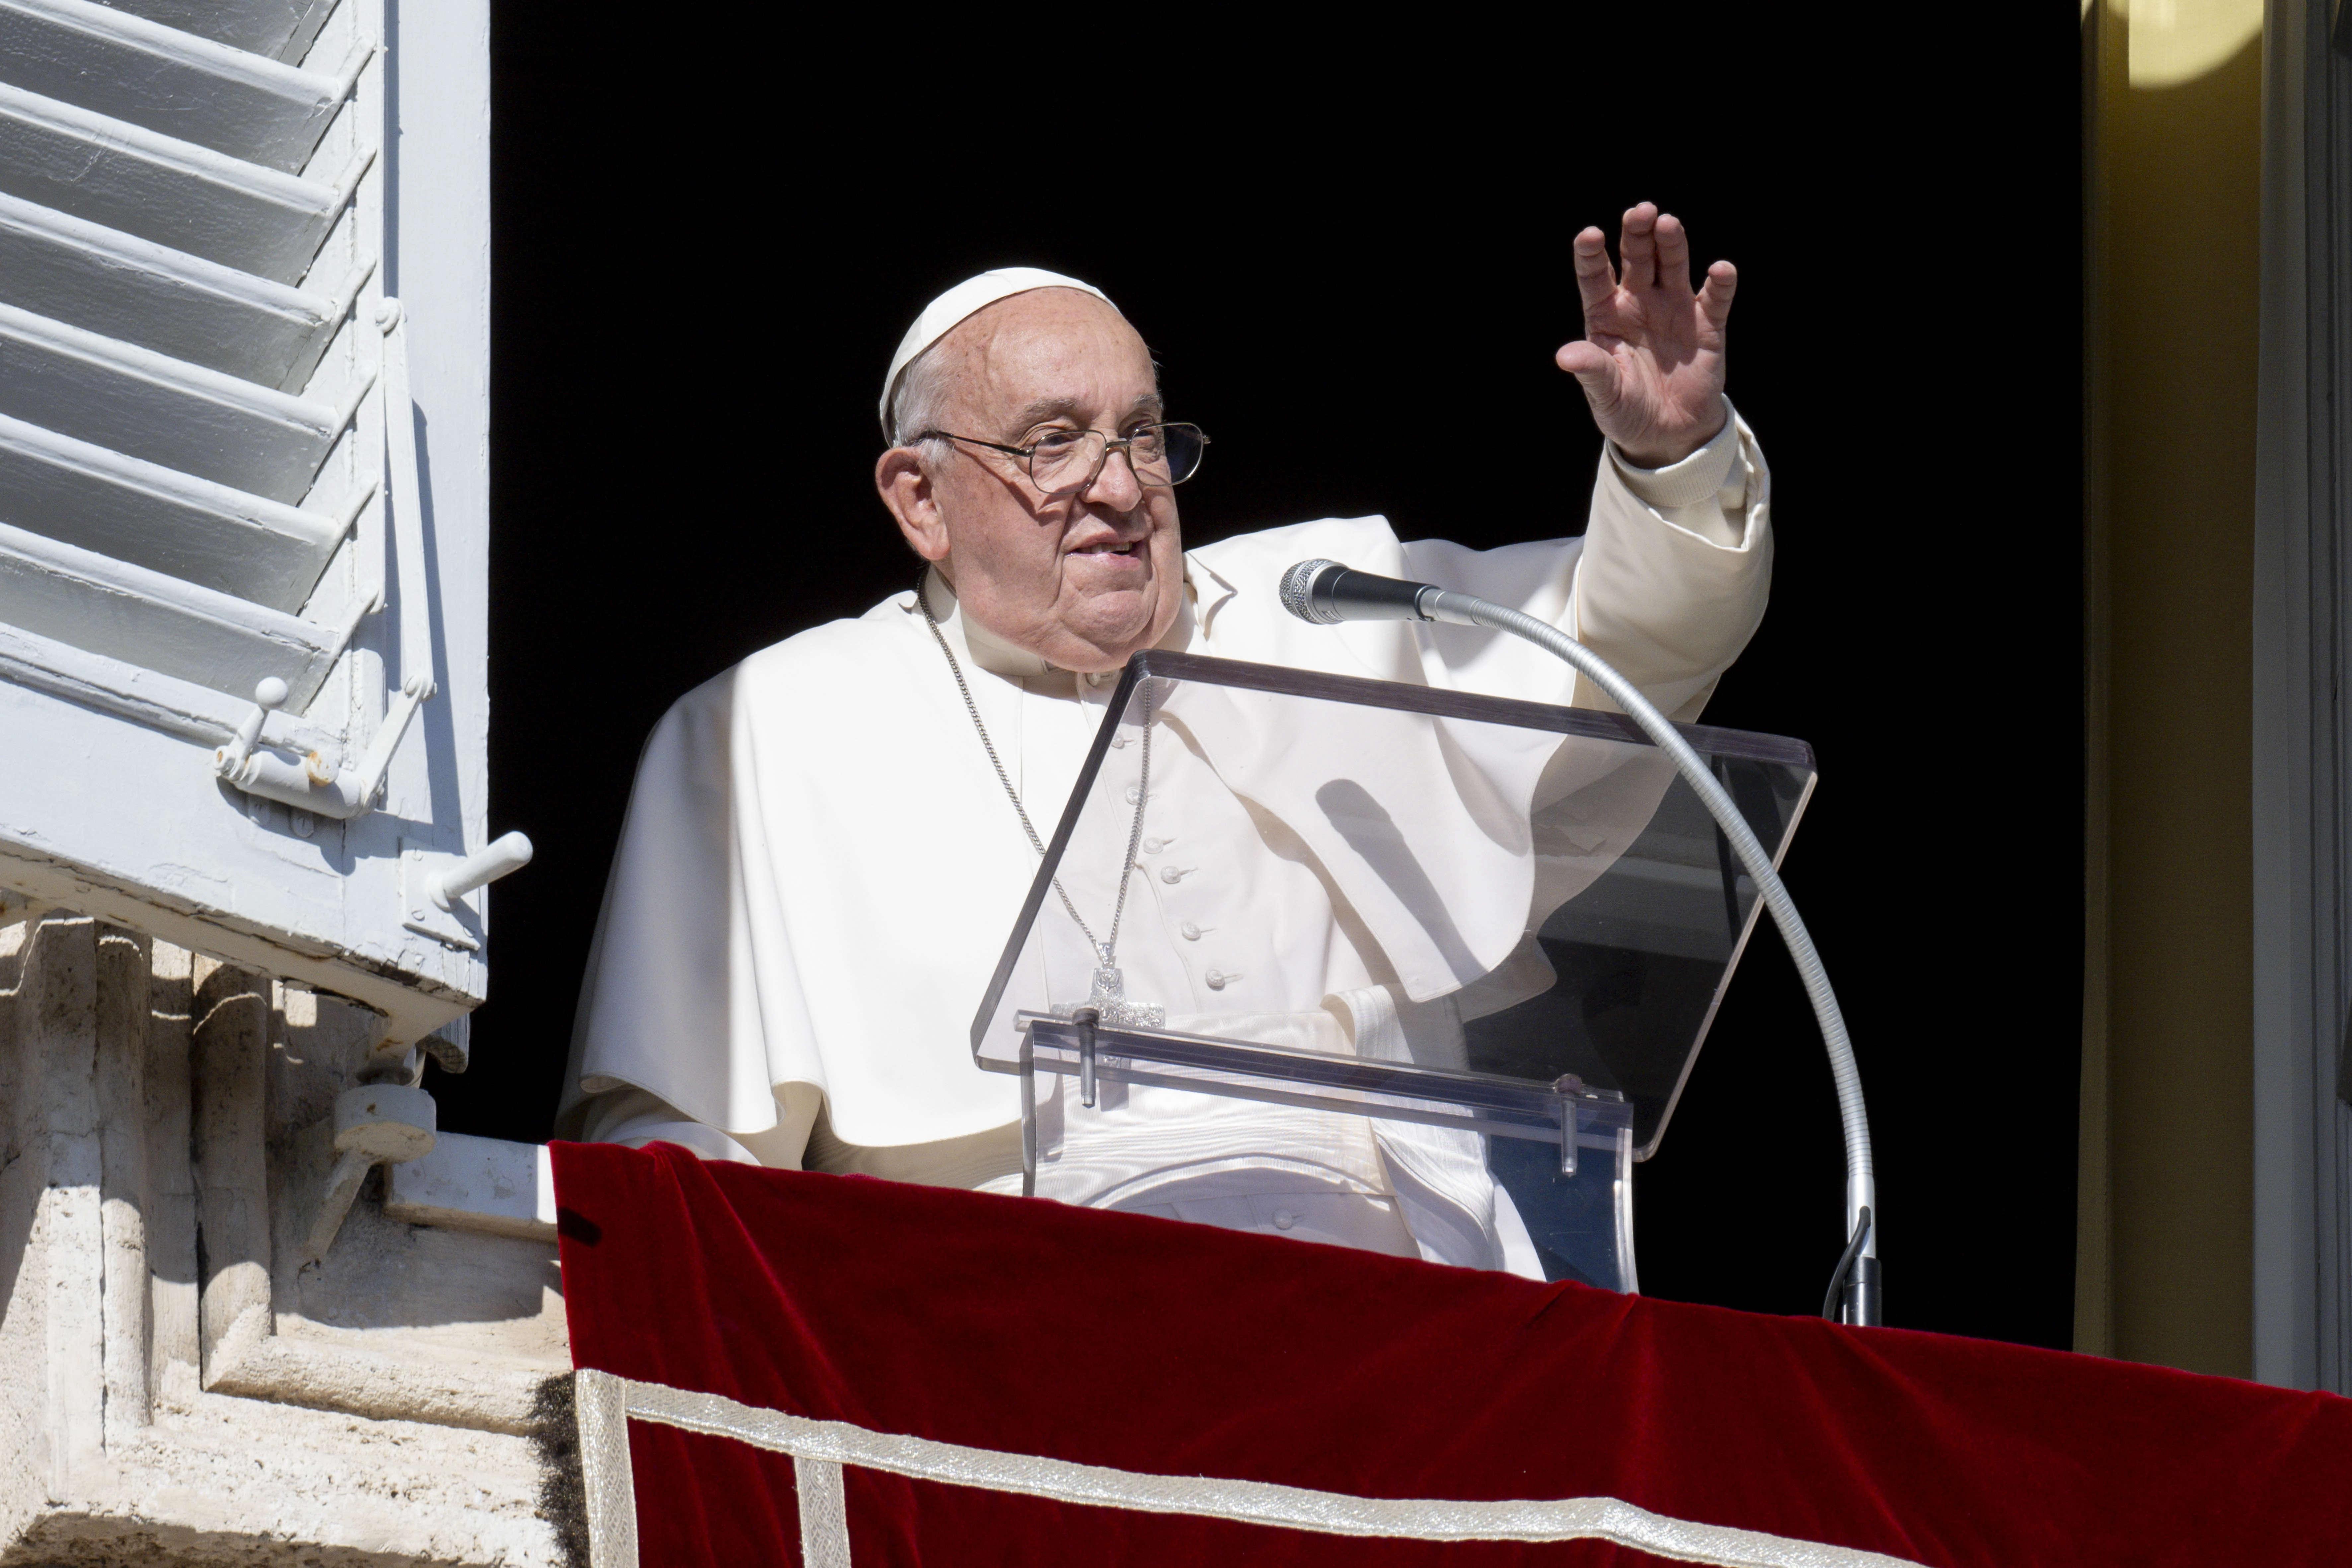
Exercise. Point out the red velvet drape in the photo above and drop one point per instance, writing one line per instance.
(1170, 1348)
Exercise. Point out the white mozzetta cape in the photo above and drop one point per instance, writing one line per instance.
(819, 868)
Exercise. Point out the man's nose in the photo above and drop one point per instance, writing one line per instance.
(1116, 487)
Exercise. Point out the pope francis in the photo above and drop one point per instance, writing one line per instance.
(828, 845)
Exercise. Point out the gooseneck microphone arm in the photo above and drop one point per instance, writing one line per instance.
(1326, 592)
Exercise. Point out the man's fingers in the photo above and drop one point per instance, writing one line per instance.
(1595, 279)
(1637, 246)
(1593, 370)
(1674, 252)
(1714, 299)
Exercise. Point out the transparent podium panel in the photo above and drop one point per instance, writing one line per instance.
(1376, 964)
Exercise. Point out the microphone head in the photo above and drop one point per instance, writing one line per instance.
(1299, 592)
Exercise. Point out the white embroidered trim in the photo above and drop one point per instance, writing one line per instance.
(837, 1442)
(600, 1402)
(825, 1513)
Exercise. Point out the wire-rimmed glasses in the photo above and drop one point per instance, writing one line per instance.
(1062, 462)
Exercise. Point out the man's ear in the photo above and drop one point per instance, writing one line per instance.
(913, 501)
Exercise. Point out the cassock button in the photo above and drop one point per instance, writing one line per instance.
(1218, 979)
(1172, 875)
(1154, 845)
(1135, 794)
(1283, 1219)
(1191, 932)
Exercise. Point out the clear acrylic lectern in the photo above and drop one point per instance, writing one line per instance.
(1360, 931)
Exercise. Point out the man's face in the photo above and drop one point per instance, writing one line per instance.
(1083, 579)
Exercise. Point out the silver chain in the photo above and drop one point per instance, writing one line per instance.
(1142, 789)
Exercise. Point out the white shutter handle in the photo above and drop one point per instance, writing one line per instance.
(484, 865)
(307, 785)
(267, 697)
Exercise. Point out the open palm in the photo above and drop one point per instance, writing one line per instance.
(1651, 361)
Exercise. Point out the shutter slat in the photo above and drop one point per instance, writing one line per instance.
(153, 231)
(148, 405)
(176, 193)
(116, 284)
(280, 29)
(154, 517)
(125, 613)
(226, 99)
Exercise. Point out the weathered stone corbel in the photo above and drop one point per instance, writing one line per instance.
(374, 1125)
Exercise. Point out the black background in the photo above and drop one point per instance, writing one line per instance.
(1354, 277)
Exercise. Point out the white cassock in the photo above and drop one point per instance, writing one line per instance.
(819, 872)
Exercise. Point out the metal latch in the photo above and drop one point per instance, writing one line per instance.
(308, 784)
(433, 887)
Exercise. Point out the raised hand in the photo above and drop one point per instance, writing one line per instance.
(1651, 361)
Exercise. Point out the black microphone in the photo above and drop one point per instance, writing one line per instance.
(1327, 593)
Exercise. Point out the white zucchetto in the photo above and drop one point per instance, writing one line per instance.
(941, 315)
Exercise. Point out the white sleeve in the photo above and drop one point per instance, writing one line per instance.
(670, 1002)
(634, 1117)
(1667, 583)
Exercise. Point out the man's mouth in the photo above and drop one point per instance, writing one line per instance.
(1111, 547)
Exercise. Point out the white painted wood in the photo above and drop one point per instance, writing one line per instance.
(146, 698)
(159, 623)
(108, 803)
(281, 30)
(483, 1184)
(438, 265)
(194, 863)
(104, 280)
(167, 521)
(243, 105)
(149, 406)
(246, 216)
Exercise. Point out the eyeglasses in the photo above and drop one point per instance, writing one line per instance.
(1062, 462)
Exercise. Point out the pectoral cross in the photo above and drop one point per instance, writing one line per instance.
(1109, 999)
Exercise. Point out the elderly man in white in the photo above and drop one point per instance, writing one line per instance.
(821, 866)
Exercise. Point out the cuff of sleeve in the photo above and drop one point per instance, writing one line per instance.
(1694, 479)
(628, 1115)
(708, 1142)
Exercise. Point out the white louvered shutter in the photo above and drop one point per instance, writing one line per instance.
(208, 472)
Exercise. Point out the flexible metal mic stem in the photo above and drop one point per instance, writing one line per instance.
(1859, 1289)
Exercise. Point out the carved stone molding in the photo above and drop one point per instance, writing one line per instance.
(180, 1384)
